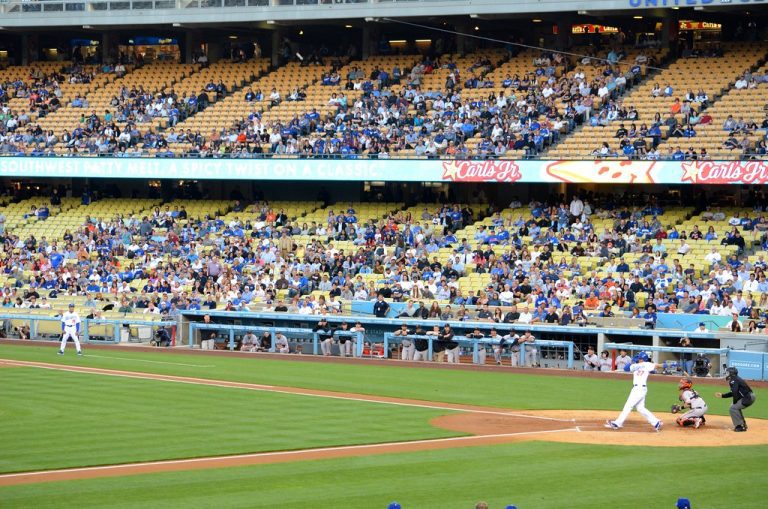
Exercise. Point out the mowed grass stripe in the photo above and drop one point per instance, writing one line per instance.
(55, 419)
(499, 389)
(529, 474)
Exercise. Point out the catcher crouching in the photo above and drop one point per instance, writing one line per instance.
(690, 400)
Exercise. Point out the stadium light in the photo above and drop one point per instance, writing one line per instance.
(536, 20)
(270, 22)
(87, 27)
(371, 20)
(474, 16)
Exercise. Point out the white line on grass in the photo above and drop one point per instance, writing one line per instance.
(267, 388)
(152, 362)
(284, 453)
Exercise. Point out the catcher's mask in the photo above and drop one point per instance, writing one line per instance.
(730, 373)
(685, 383)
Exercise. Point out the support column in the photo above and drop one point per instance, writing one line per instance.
(275, 49)
(668, 29)
(106, 47)
(563, 35)
(216, 51)
(461, 42)
(25, 49)
(464, 44)
(190, 44)
(366, 45)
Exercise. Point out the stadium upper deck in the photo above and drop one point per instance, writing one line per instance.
(23, 13)
(665, 84)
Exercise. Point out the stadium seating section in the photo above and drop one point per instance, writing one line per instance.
(107, 235)
(507, 106)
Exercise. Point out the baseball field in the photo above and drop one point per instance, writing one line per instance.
(125, 428)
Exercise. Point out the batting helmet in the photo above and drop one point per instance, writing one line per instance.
(685, 383)
(642, 357)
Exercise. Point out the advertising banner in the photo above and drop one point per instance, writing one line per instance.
(500, 171)
(749, 364)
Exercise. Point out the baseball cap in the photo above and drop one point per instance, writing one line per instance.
(701, 324)
(683, 503)
(71, 305)
(393, 505)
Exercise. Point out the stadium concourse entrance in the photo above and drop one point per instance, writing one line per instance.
(492, 195)
(683, 29)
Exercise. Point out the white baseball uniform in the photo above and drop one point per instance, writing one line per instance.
(70, 325)
(698, 407)
(636, 399)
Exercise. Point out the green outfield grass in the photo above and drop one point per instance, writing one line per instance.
(56, 419)
(531, 475)
(506, 390)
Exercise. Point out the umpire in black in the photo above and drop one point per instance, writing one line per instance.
(742, 398)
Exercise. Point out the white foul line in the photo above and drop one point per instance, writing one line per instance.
(266, 388)
(282, 453)
(152, 362)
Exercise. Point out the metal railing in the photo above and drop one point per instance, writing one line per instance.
(229, 331)
(154, 154)
(475, 344)
(48, 6)
(107, 328)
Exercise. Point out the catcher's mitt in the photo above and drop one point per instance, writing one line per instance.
(675, 409)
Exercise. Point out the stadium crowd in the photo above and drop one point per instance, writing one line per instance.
(254, 262)
(378, 115)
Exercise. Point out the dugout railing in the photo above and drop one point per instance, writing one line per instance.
(112, 330)
(474, 345)
(228, 335)
(672, 358)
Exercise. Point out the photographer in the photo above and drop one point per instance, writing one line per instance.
(162, 338)
(686, 358)
(701, 365)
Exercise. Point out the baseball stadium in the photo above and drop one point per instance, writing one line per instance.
(401, 254)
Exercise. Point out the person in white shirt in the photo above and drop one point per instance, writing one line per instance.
(713, 257)
(577, 207)
(751, 285)
(636, 400)
(684, 247)
(70, 328)
(525, 316)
